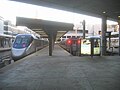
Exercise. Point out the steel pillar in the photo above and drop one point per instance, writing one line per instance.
(104, 29)
(119, 33)
(50, 44)
(83, 29)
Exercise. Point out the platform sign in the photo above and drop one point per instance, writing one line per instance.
(87, 43)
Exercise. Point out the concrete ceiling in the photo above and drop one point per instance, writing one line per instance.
(45, 28)
(90, 7)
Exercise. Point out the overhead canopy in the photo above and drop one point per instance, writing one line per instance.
(90, 7)
(44, 27)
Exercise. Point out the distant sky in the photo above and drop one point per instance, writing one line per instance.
(10, 9)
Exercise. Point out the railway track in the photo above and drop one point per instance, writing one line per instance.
(5, 58)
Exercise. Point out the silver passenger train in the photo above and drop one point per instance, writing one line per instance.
(79, 46)
(26, 44)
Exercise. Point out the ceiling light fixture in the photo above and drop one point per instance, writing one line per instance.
(104, 12)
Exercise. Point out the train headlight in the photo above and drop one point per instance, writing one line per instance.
(23, 45)
(69, 41)
(79, 41)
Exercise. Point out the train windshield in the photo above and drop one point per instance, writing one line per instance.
(22, 41)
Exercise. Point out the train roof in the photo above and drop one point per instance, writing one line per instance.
(98, 36)
(27, 35)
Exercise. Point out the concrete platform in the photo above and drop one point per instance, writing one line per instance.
(5, 49)
(61, 72)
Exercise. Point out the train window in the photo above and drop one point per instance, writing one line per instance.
(18, 40)
(64, 37)
(74, 42)
(78, 36)
(73, 36)
(116, 35)
(22, 41)
(68, 36)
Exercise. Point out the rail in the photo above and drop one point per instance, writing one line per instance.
(5, 60)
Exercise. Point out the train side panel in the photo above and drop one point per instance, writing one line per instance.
(31, 48)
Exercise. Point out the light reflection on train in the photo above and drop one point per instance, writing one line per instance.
(78, 46)
(26, 44)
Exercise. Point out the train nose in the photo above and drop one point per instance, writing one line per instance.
(18, 52)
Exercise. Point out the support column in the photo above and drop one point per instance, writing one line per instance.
(83, 29)
(50, 44)
(119, 33)
(104, 29)
(92, 46)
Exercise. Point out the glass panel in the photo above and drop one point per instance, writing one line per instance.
(22, 41)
